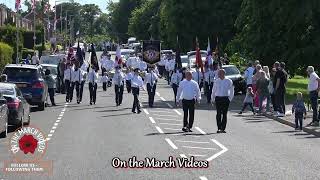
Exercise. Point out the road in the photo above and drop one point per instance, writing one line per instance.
(84, 139)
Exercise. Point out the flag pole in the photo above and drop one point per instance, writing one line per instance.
(34, 28)
(17, 38)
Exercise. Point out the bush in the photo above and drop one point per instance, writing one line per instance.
(6, 53)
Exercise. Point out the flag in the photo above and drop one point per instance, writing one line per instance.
(18, 5)
(94, 60)
(33, 4)
(79, 54)
(178, 57)
(118, 55)
(199, 62)
(209, 56)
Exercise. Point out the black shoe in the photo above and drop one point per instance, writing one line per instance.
(240, 112)
(219, 131)
(78, 102)
(133, 112)
(189, 130)
(54, 104)
(139, 111)
(90, 103)
(185, 129)
(223, 131)
(94, 103)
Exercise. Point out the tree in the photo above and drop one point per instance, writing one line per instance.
(88, 13)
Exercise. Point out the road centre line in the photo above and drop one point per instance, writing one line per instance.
(57, 121)
(52, 131)
(59, 118)
(203, 178)
(170, 106)
(159, 130)
(170, 124)
(152, 120)
(158, 94)
(163, 99)
(200, 130)
(198, 142)
(183, 156)
(193, 147)
(197, 155)
(169, 120)
(157, 111)
(165, 115)
(173, 129)
(224, 149)
(171, 143)
(55, 124)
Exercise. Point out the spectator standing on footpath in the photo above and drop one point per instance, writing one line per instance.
(280, 89)
(263, 91)
(314, 88)
(248, 101)
(248, 74)
(255, 78)
(299, 110)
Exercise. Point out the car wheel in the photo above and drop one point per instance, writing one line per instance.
(5, 132)
(42, 106)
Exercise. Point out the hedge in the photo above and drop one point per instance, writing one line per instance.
(6, 53)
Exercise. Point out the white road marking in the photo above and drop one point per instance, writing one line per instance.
(54, 127)
(156, 111)
(158, 94)
(201, 131)
(203, 178)
(197, 155)
(165, 115)
(152, 120)
(145, 111)
(169, 120)
(49, 135)
(172, 129)
(171, 124)
(159, 129)
(60, 115)
(224, 149)
(170, 106)
(179, 113)
(193, 147)
(59, 118)
(63, 110)
(55, 124)
(57, 121)
(48, 139)
(171, 143)
(52, 131)
(163, 99)
(183, 156)
(192, 142)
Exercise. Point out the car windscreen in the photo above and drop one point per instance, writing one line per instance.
(50, 60)
(20, 74)
(53, 70)
(231, 71)
(184, 60)
(7, 91)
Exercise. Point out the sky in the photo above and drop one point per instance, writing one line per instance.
(101, 3)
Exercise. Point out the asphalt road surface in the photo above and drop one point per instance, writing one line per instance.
(83, 140)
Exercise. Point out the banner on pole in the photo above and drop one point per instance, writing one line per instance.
(151, 51)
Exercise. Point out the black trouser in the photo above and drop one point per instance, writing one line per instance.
(136, 103)
(188, 111)
(209, 90)
(175, 91)
(93, 92)
(77, 84)
(313, 95)
(81, 90)
(67, 89)
(104, 86)
(71, 90)
(128, 85)
(247, 104)
(51, 94)
(280, 101)
(299, 120)
(222, 105)
(273, 101)
(119, 93)
(151, 93)
(161, 70)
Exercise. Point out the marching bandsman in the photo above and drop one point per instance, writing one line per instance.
(104, 80)
(93, 80)
(67, 81)
(118, 81)
(209, 80)
(198, 77)
(103, 60)
(109, 65)
(84, 67)
(176, 78)
(77, 80)
(136, 83)
(129, 76)
(170, 66)
(151, 82)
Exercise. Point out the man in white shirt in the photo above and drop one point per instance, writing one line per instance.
(198, 77)
(118, 81)
(136, 83)
(209, 80)
(77, 79)
(248, 74)
(35, 59)
(314, 88)
(151, 82)
(67, 81)
(222, 95)
(188, 94)
(93, 79)
(129, 76)
(176, 78)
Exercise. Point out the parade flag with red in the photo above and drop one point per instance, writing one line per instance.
(33, 4)
(118, 55)
(18, 4)
(209, 54)
(199, 62)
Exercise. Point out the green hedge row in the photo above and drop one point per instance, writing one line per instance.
(6, 53)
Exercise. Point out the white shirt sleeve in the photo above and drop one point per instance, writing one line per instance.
(214, 89)
(231, 95)
(179, 91)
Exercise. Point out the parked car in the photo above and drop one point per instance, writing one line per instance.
(3, 117)
(185, 61)
(54, 71)
(52, 59)
(233, 73)
(19, 109)
(192, 58)
(29, 79)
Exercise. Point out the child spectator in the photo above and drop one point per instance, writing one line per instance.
(51, 86)
(299, 110)
(104, 80)
(248, 100)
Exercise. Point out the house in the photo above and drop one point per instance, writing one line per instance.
(9, 16)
